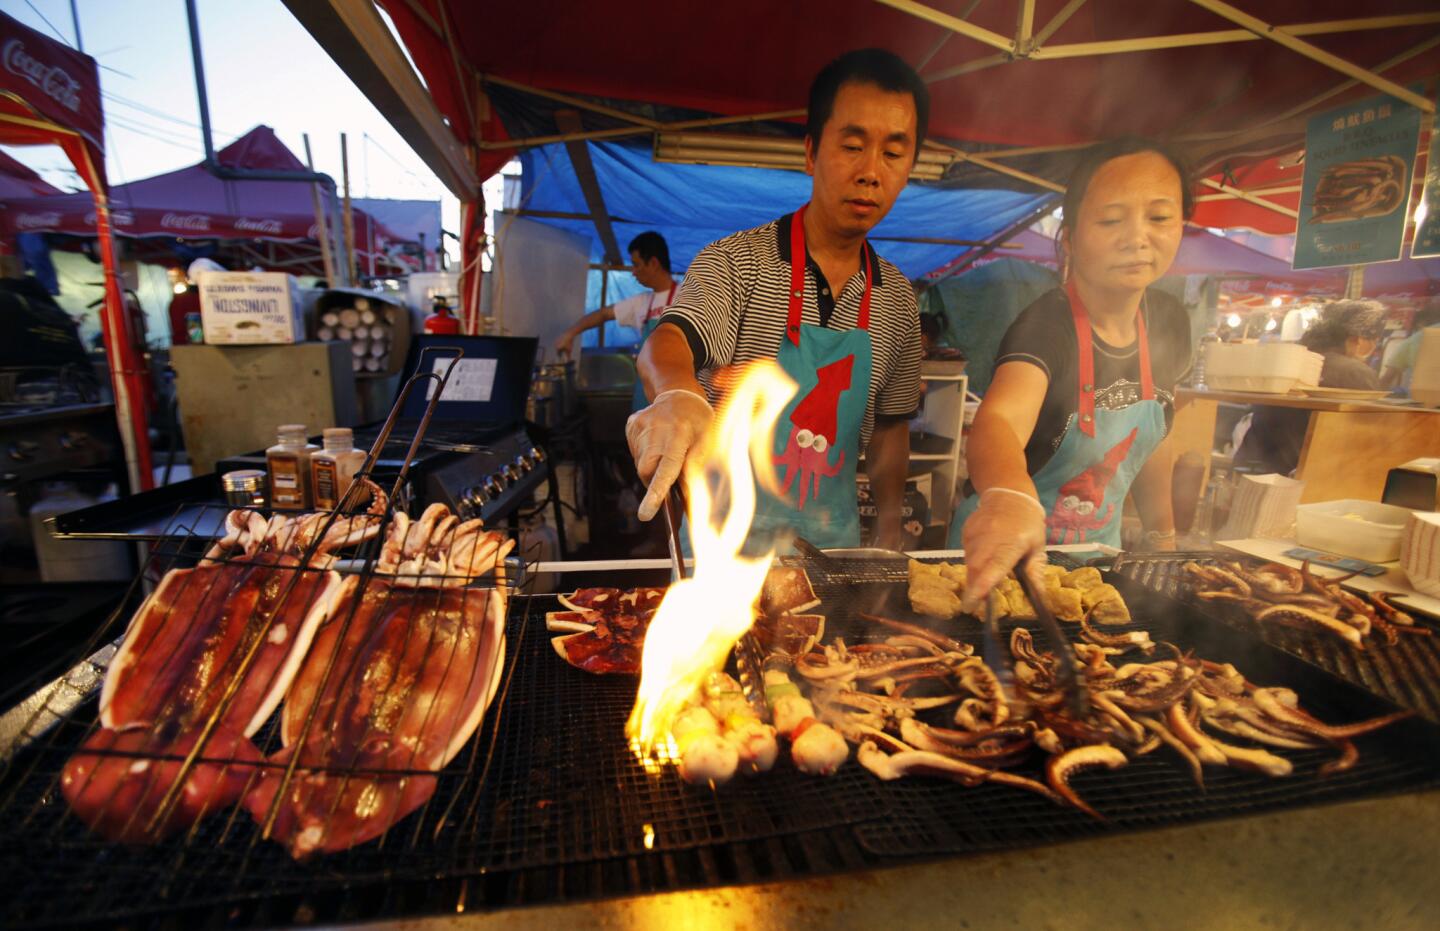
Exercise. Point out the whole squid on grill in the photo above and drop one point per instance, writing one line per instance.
(204, 661)
(397, 681)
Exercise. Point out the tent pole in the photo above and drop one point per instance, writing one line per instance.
(75, 19)
(351, 271)
(969, 67)
(579, 152)
(320, 229)
(1025, 27)
(953, 23)
(1224, 36)
(1278, 35)
(1258, 192)
(964, 262)
(604, 302)
(570, 101)
(125, 369)
(983, 162)
(1250, 198)
(1056, 21)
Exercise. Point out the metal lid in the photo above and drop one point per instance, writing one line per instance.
(243, 480)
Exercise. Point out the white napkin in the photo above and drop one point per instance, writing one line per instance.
(1263, 506)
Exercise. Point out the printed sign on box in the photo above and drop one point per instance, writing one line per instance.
(239, 308)
(1353, 198)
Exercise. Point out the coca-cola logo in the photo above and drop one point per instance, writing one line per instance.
(118, 217)
(186, 221)
(35, 221)
(258, 226)
(52, 79)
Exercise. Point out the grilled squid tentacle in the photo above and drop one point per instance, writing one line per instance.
(907, 762)
(1347, 632)
(1060, 768)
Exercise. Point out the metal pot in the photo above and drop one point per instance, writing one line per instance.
(555, 382)
(540, 412)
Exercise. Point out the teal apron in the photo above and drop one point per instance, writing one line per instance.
(652, 320)
(1083, 486)
(817, 438)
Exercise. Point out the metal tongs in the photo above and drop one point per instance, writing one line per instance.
(674, 508)
(998, 657)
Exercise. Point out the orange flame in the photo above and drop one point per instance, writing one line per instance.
(702, 617)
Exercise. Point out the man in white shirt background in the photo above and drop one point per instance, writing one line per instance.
(650, 261)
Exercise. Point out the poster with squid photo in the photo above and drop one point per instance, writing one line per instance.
(1355, 194)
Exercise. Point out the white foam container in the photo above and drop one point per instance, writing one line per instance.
(1420, 552)
(1366, 530)
(1269, 368)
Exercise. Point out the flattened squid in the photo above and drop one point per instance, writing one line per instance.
(397, 681)
(205, 660)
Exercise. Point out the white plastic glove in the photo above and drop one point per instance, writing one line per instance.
(1007, 528)
(660, 438)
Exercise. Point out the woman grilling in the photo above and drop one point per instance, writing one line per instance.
(1078, 410)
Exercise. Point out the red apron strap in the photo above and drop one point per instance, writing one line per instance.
(1085, 362)
(797, 276)
(797, 280)
(862, 320)
(1147, 380)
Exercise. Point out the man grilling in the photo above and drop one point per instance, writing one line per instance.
(808, 291)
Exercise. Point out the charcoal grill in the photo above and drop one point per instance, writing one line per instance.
(547, 803)
(1406, 674)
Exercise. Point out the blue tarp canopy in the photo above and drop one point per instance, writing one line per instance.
(694, 205)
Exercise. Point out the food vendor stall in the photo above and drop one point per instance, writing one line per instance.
(375, 714)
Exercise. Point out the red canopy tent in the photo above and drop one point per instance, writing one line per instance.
(195, 204)
(50, 95)
(1016, 87)
(1202, 253)
(18, 180)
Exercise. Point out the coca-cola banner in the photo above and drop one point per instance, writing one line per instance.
(56, 82)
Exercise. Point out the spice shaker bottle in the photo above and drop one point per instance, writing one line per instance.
(333, 468)
(289, 464)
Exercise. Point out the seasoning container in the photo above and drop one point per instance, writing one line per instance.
(333, 468)
(289, 465)
(244, 488)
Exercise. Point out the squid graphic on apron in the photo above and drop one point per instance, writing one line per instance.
(1084, 484)
(817, 438)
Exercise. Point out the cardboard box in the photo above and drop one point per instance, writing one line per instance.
(251, 308)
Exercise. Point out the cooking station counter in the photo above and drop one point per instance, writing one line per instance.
(549, 810)
(1363, 864)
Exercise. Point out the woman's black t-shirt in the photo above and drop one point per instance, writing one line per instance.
(1044, 336)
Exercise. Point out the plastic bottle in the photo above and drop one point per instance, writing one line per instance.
(334, 467)
(288, 462)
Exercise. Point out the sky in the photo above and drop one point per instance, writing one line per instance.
(261, 66)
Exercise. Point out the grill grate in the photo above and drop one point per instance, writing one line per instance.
(566, 787)
(1407, 674)
(546, 804)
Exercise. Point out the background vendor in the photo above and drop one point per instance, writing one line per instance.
(1346, 334)
(650, 264)
(1081, 402)
(809, 291)
(1400, 366)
